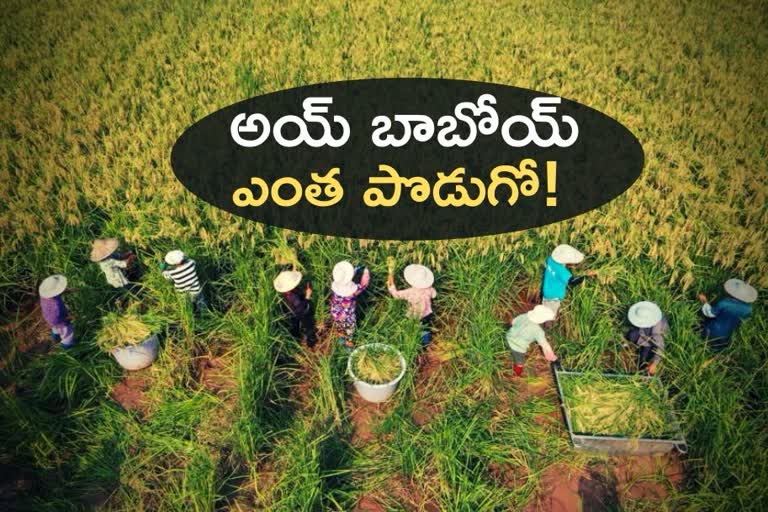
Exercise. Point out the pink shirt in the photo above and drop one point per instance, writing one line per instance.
(420, 299)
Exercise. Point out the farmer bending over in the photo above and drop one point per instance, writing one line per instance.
(526, 329)
(300, 310)
(650, 328)
(557, 277)
(419, 296)
(344, 300)
(55, 311)
(104, 252)
(181, 270)
(726, 315)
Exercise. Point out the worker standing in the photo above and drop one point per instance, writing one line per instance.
(419, 296)
(55, 311)
(182, 270)
(298, 303)
(557, 276)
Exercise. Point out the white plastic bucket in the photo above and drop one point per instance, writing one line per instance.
(136, 357)
(376, 392)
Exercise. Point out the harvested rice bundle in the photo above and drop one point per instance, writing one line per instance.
(627, 406)
(376, 364)
(391, 264)
(121, 330)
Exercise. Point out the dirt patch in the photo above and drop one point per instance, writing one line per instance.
(597, 490)
(559, 490)
(251, 494)
(130, 393)
(508, 475)
(364, 416)
(408, 494)
(369, 504)
(429, 381)
(215, 374)
(28, 335)
(649, 477)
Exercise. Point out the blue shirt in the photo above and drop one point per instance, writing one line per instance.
(729, 313)
(556, 277)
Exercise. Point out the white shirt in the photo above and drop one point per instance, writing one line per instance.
(112, 268)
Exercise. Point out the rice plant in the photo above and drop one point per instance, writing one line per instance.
(94, 96)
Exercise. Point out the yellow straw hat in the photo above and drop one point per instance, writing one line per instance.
(103, 247)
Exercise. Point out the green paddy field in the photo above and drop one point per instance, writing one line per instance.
(235, 414)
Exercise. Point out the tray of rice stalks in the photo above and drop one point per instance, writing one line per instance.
(618, 414)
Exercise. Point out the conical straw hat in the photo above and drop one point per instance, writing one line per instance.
(418, 276)
(287, 281)
(53, 286)
(644, 314)
(103, 247)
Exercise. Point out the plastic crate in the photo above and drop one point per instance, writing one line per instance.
(618, 445)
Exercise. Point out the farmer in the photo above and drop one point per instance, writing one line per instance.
(650, 328)
(344, 300)
(557, 277)
(104, 252)
(419, 296)
(297, 301)
(526, 329)
(181, 270)
(726, 315)
(54, 311)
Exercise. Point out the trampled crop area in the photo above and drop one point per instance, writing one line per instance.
(235, 414)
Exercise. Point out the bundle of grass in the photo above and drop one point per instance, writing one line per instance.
(131, 338)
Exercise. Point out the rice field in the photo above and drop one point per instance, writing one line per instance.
(235, 414)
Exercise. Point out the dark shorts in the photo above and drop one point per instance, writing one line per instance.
(518, 357)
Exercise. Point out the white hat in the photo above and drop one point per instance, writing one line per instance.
(53, 286)
(342, 284)
(174, 257)
(287, 280)
(103, 247)
(567, 254)
(418, 276)
(343, 272)
(644, 314)
(343, 289)
(738, 289)
(540, 314)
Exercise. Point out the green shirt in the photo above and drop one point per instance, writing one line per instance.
(524, 332)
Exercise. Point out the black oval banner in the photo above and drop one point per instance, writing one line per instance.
(407, 159)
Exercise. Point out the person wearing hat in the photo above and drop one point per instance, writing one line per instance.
(526, 329)
(557, 277)
(723, 318)
(419, 296)
(650, 328)
(297, 301)
(344, 293)
(104, 252)
(182, 271)
(55, 311)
